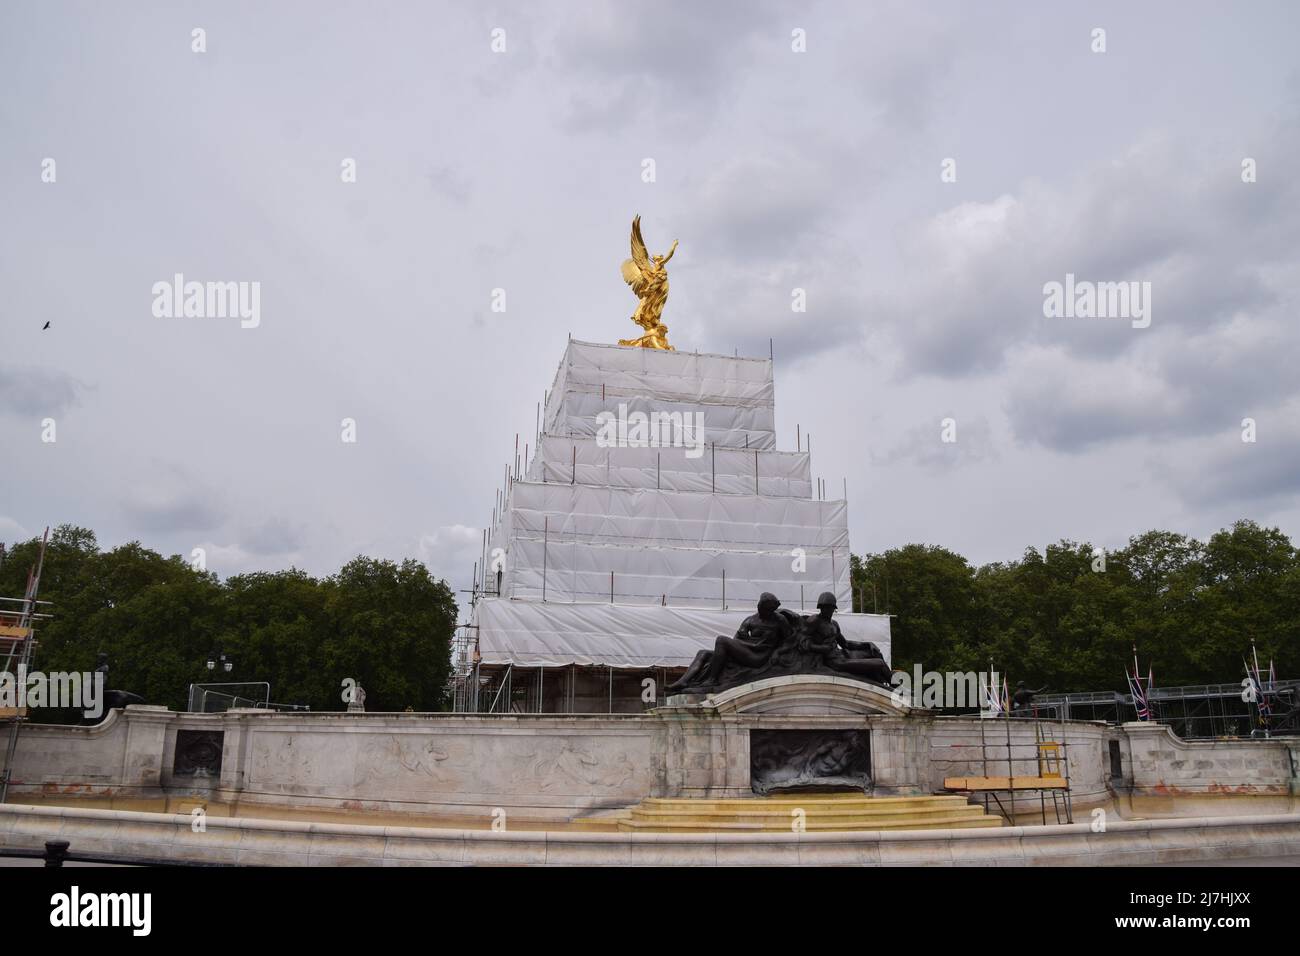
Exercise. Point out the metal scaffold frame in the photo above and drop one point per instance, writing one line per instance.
(18, 619)
(1051, 759)
(1193, 711)
(571, 689)
(478, 688)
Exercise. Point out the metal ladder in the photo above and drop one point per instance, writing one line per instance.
(1053, 759)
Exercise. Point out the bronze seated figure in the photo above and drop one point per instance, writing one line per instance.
(777, 643)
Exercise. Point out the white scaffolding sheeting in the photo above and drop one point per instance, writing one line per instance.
(602, 515)
(728, 471)
(734, 396)
(563, 543)
(640, 552)
(533, 634)
(672, 575)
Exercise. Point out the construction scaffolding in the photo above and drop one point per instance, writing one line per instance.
(571, 689)
(616, 553)
(1193, 711)
(1039, 766)
(18, 620)
(510, 688)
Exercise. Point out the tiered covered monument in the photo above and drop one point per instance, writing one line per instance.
(655, 510)
(622, 555)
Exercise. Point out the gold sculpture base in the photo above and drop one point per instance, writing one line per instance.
(657, 339)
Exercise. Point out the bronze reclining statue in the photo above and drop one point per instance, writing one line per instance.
(777, 643)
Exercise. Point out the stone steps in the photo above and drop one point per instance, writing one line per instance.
(822, 812)
(783, 817)
(809, 801)
(811, 826)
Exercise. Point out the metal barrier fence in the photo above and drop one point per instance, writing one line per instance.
(1193, 712)
(203, 699)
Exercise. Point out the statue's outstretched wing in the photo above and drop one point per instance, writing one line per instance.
(637, 269)
(633, 277)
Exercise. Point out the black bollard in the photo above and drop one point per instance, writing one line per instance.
(56, 851)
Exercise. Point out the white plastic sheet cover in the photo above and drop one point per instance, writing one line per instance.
(563, 543)
(645, 516)
(734, 396)
(730, 471)
(531, 633)
(677, 576)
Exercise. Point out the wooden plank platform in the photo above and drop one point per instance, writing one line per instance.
(1005, 783)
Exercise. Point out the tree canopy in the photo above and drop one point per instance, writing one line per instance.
(1064, 619)
(387, 626)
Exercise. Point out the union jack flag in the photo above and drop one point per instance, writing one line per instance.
(1141, 695)
(1262, 702)
(994, 700)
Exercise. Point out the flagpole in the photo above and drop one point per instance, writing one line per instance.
(1262, 706)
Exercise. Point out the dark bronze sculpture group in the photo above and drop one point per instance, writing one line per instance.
(778, 643)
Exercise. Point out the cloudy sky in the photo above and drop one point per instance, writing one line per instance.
(521, 170)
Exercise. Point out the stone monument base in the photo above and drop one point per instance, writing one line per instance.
(551, 767)
(806, 732)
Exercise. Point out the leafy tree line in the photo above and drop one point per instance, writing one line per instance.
(1191, 607)
(388, 626)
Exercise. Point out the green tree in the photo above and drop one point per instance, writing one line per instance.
(1061, 619)
(931, 591)
(275, 628)
(385, 625)
(390, 630)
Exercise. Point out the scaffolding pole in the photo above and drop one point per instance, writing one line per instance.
(17, 629)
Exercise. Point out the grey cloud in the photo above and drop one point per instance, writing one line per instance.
(923, 444)
(766, 226)
(31, 392)
(170, 500)
(974, 274)
(1255, 476)
(449, 182)
(449, 550)
(179, 513)
(776, 170)
(901, 81)
(676, 62)
(276, 535)
(1174, 386)
(759, 209)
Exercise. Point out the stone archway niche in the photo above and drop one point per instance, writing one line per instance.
(795, 733)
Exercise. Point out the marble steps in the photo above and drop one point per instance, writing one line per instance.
(951, 822)
(787, 801)
(821, 813)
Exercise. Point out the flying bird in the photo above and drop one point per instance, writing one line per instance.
(45, 326)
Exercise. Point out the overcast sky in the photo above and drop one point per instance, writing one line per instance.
(521, 170)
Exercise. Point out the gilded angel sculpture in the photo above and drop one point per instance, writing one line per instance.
(649, 280)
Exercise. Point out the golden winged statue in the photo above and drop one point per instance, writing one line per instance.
(649, 280)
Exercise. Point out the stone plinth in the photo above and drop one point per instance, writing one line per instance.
(805, 695)
(720, 725)
(557, 767)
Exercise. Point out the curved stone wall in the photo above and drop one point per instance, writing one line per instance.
(553, 767)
